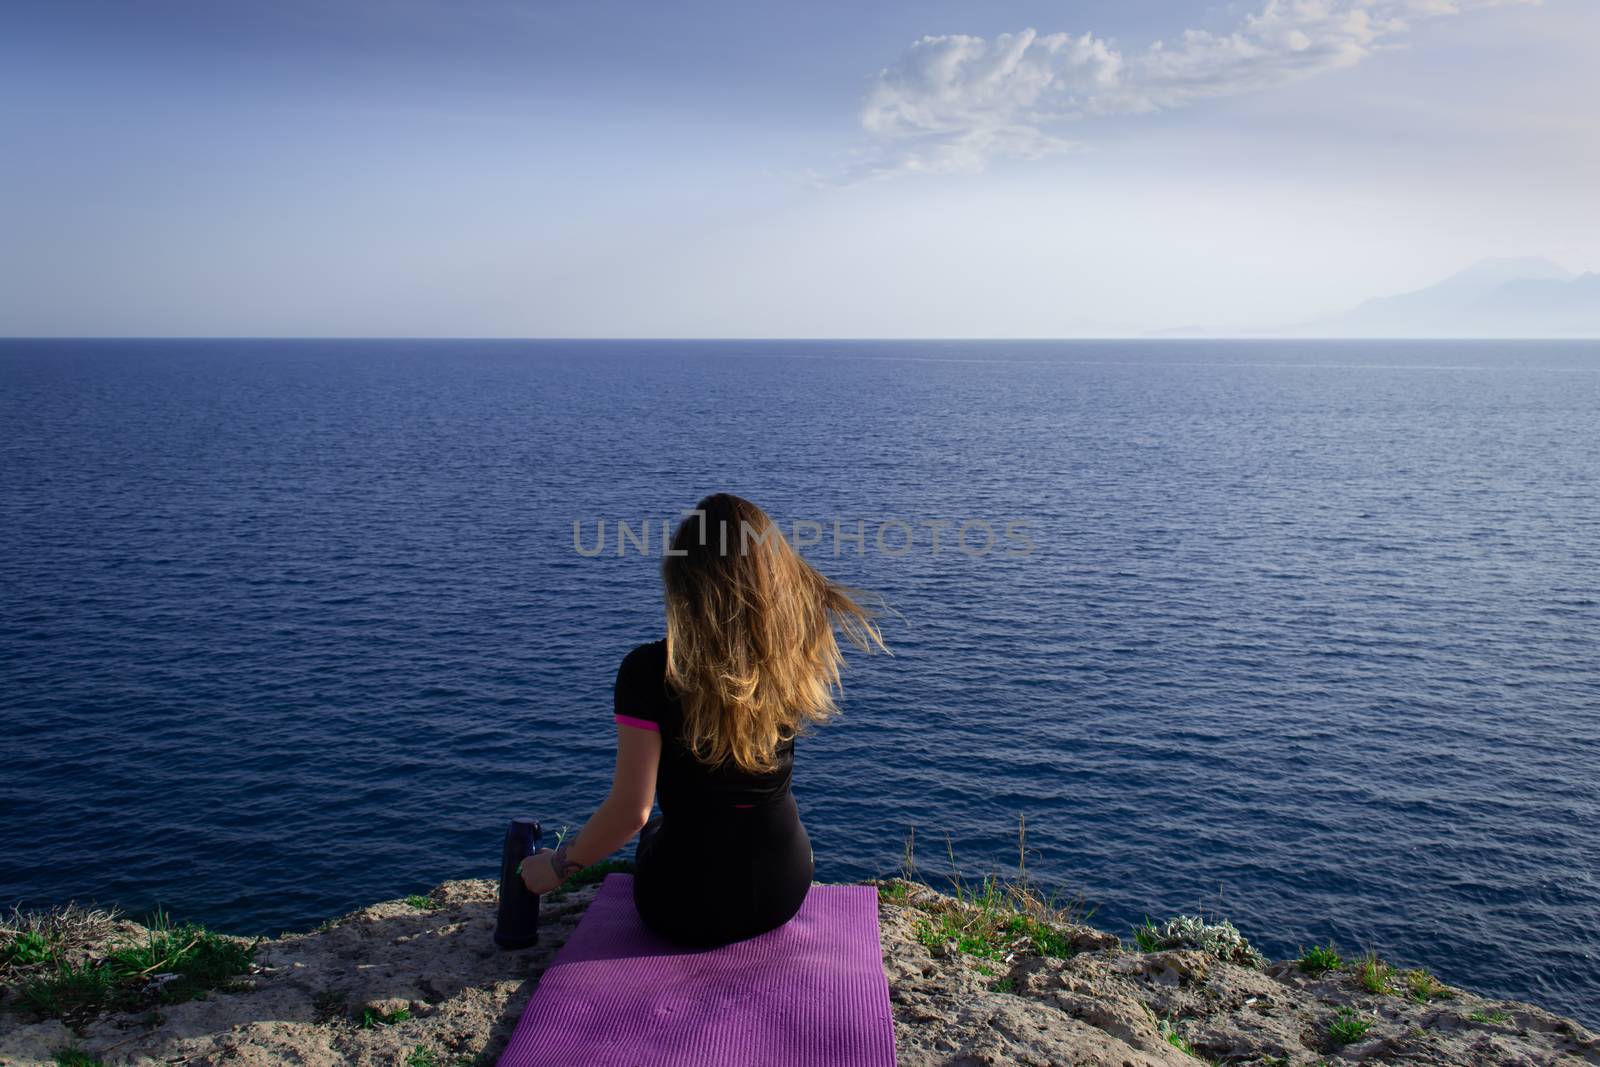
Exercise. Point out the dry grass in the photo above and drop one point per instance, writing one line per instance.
(994, 918)
(30, 938)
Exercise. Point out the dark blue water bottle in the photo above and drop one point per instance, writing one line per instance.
(517, 925)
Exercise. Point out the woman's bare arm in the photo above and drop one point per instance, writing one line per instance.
(625, 811)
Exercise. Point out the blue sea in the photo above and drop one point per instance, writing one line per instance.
(1302, 634)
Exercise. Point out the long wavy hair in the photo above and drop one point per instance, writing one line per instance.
(751, 650)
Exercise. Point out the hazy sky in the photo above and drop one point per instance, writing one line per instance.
(761, 169)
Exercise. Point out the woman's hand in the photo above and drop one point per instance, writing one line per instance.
(537, 873)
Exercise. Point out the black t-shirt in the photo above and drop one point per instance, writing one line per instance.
(643, 700)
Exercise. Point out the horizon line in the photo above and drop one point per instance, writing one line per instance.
(1161, 337)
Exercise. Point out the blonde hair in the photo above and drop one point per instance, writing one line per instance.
(750, 634)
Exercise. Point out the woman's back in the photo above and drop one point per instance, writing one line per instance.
(684, 784)
(728, 858)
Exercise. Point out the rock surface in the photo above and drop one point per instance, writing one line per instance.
(1105, 1005)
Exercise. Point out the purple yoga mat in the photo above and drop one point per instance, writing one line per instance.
(811, 993)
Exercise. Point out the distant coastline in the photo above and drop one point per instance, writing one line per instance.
(1493, 300)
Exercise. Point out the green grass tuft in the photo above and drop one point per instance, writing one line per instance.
(75, 1057)
(590, 875)
(1046, 939)
(1347, 1027)
(949, 931)
(73, 962)
(1423, 987)
(190, 959)
(894, 892)
(422, 1057)
(987, 927)
(371, 1017)
(1177, 1040)
(1319, 960)
(1373, 975)
(27, 948)
(422, 902)
(1495, 1016)
(993, 919)
(73, 989)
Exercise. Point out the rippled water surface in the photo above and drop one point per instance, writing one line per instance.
(1308, 635)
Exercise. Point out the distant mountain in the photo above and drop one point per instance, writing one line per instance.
(1494, 298)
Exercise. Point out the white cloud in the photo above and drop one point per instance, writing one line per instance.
(954, 103)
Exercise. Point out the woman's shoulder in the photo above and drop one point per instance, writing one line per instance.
(646, 664)
(640, 691)
(647, 654)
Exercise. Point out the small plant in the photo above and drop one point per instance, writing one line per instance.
(73, 988)
(992, 919)
(422, 1057)
(1347, 1027)
(1177, 1040)
(1373, 975)
(371, 1017)
(421, 902)
(1220, 939)
(191, 959)
(949, 931)
(1047, 940)
(1006, 985)
(894, 892)
(1495, 1016)
(26, 948)
(330, 1004)
(589, 876)
(1423, 987)
(75, 1057)
(1319, 960)
(1013, 894)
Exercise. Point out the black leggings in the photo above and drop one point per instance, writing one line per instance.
(704, 879)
